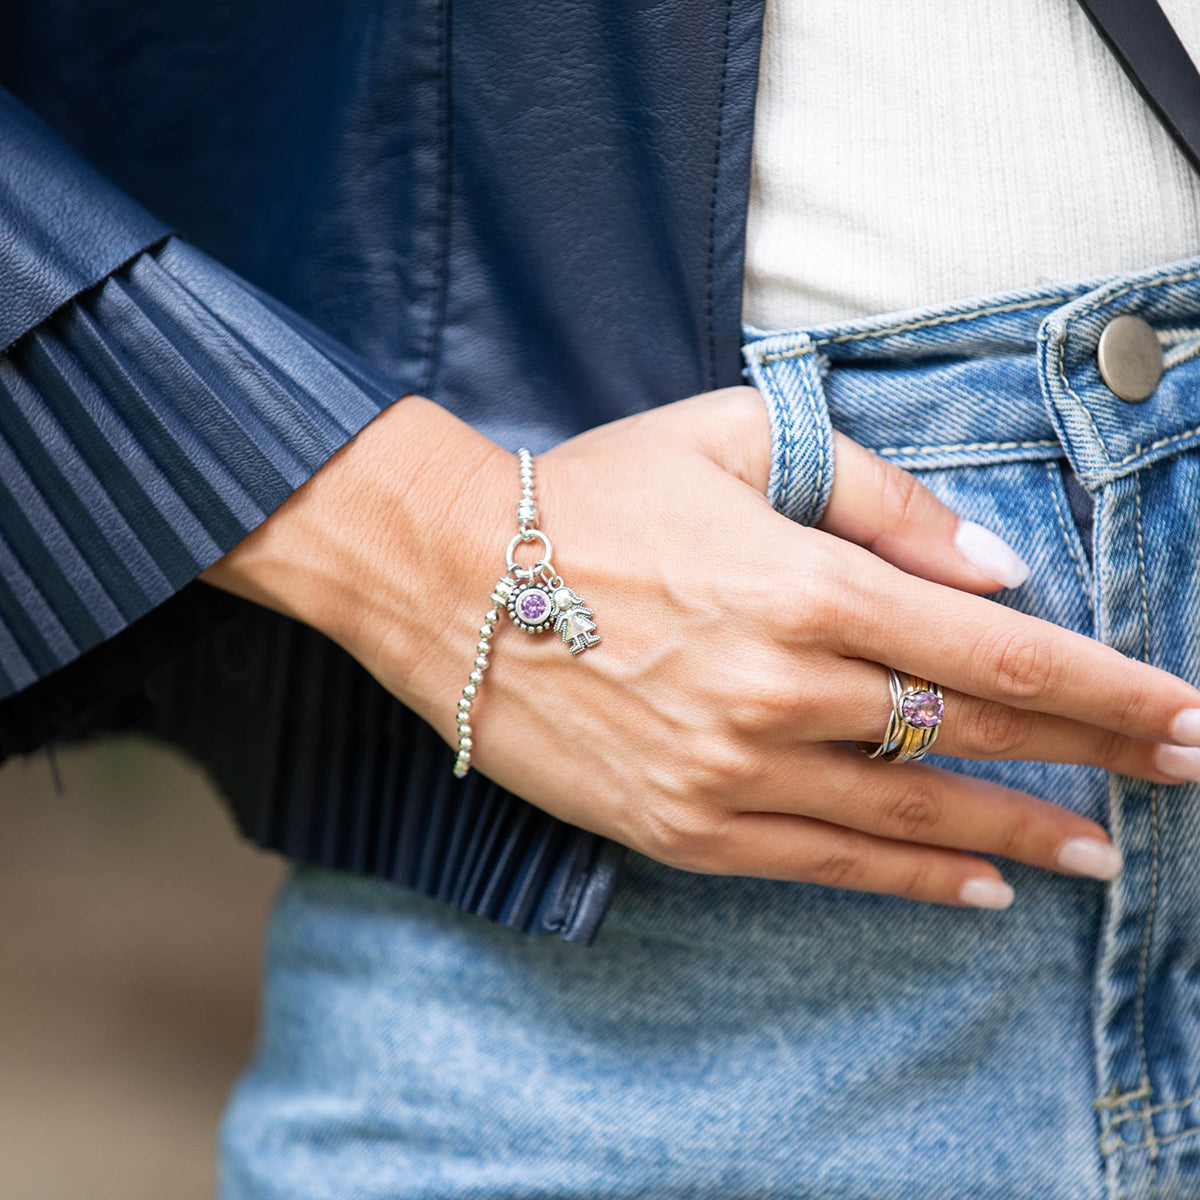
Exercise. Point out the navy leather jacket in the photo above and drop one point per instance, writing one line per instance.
(229, 235)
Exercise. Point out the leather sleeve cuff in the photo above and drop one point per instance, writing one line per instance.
(146, 427)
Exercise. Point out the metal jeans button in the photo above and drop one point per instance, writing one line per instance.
(1130, 357)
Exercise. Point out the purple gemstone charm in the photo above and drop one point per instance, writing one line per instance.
(531, 607)
(921, 709)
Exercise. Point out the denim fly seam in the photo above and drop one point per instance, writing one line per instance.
(962, 390)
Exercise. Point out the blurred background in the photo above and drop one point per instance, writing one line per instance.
(131, 919)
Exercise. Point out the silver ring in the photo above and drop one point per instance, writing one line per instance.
(917, 713)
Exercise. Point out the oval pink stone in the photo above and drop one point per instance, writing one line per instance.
(922, 709)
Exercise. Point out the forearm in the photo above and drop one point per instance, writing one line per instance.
(390, 548)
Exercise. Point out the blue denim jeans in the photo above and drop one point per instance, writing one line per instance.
(738, 1037)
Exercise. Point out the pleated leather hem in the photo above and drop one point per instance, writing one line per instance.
(145, 428)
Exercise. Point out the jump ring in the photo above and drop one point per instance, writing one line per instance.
(543, 561)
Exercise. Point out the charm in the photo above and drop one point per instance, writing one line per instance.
(573, 619)
(531, 607)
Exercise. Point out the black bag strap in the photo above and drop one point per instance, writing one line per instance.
(1145, 44)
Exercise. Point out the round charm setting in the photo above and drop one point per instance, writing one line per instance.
(532, 608)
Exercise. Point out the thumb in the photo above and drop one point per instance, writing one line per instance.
(887, 510)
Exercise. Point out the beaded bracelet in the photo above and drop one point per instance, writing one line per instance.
(535, 598)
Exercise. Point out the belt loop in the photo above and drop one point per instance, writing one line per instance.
(788, 372)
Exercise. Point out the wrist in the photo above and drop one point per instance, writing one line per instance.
(389, 549)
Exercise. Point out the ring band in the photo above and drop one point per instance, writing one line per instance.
(917, 712)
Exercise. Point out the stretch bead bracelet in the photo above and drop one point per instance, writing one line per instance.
(535, 598)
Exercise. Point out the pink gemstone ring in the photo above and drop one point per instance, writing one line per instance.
(917, 712)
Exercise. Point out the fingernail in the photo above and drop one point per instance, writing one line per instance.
(1183, 762)
(991, 554)
(1089, 856)
(1185, 729)
(984, 892)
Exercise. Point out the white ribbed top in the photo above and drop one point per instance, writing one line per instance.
(913, 153)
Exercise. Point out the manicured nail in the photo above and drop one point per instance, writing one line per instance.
(1183, 762)
(1089, 856)
(985, 892)
(1185, 729)
(990, 554)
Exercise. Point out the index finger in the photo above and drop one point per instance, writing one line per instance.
(983, 648)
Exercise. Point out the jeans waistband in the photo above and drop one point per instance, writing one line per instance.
(1002, 378)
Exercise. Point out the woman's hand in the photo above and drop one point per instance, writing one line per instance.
(739, 650)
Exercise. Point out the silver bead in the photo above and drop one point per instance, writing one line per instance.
(491, 616)
(476, 676)
(481, 661)
(483, 646)
(485, 631)
(465, 743)
(464, 730)
(469, 690)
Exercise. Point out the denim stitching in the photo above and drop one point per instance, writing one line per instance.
(923, 323)
(947, 319)
(1139, 449)
(1109, 297)
(1087, 412)
(1051, 473)
(786, 481)
(1114, 1098)
(817, 408)
(1145, 954)
(1141, 1114)
(1043, 442)
(1152, 1142)
(1109, 1141)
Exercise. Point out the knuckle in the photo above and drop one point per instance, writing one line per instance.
(839, 866)
(1015, 834)
(918, 883)
(994, 730)
(810, 597)
(1134, 706)
(1111, 748)
(900, 496)
(758, 704)
(681, 835)
(1023, 666)
(722, 767)
(914, 811)
(833, 604)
